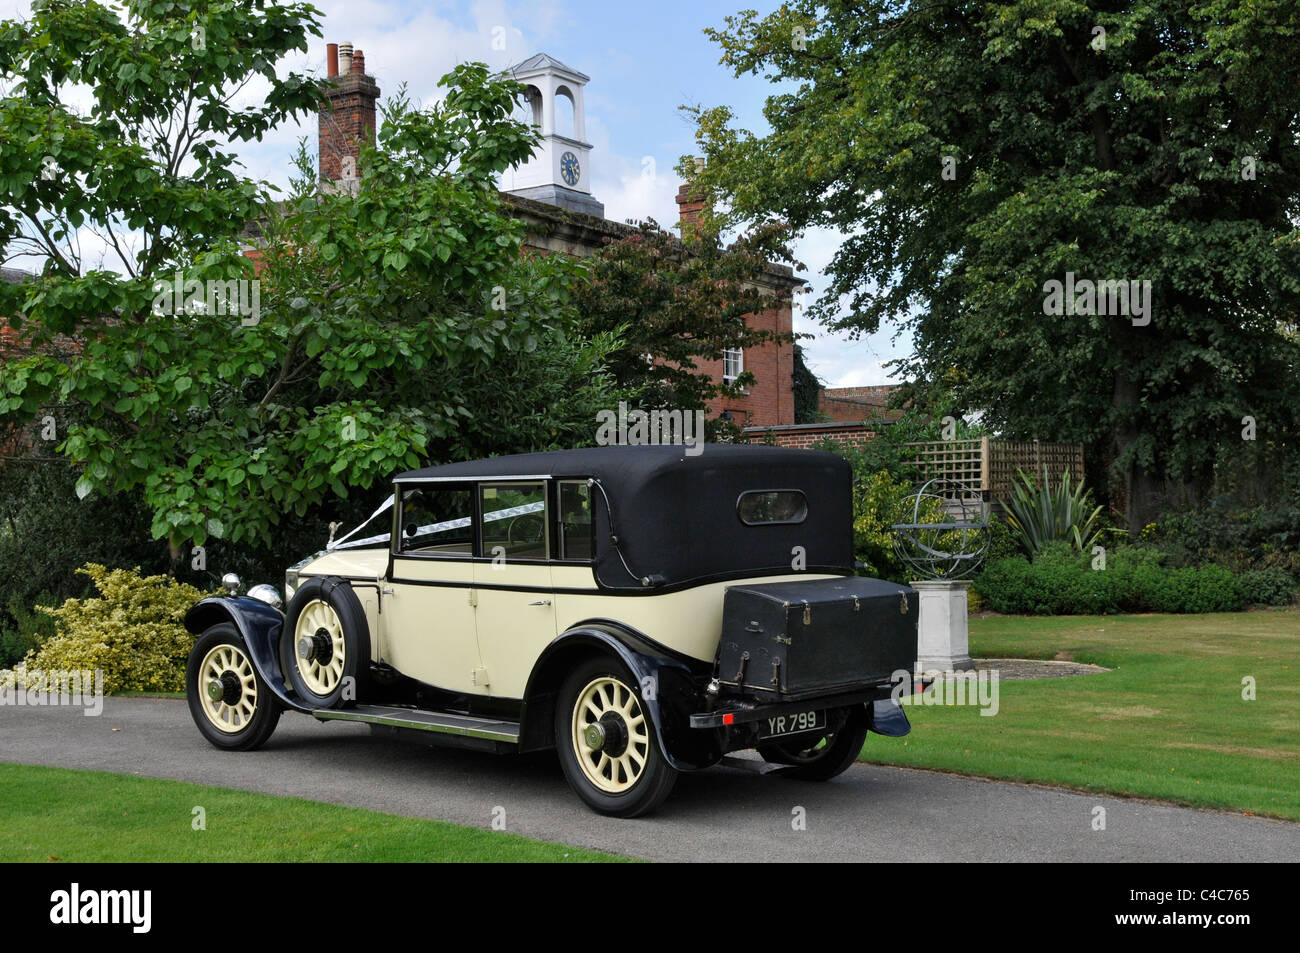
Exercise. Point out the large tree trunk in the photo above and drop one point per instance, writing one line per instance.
(1142, 488)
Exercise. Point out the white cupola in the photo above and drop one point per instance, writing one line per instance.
(559, 172)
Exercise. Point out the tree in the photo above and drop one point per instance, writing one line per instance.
(975, 153)
(147, 173)
(384, 326)
(676, 302)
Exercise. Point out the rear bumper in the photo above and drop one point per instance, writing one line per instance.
(744, 712)
(741, 717)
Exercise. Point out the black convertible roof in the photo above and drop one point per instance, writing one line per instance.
(675, 513)
(619, 464)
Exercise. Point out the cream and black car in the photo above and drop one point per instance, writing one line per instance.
(642, 610)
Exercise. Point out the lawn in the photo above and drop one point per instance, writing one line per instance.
(51, 814)
(1168, 722)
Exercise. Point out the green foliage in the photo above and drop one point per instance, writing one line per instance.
(142, 163)
(24, 630)
(132, 631)
(889, 449)
(46, 532)
(1042, 513)
(807, 390)
(1265, 536)
(1002, 150)
(1268, 587)
(1003, 540)
(878, 504)
(681, 302)
(395, 325)
(1061, 581)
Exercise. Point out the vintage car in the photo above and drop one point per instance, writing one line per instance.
(640, 609)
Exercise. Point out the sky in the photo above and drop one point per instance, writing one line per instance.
(644, 60)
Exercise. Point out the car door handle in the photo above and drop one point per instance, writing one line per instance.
(541, 602)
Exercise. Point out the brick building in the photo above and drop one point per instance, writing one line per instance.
(551, 194)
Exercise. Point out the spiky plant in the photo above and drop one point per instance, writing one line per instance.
(1043, 513)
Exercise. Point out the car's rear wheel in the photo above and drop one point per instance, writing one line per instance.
(327, 648)
(228, 700)
(823, 757)
(607, 743)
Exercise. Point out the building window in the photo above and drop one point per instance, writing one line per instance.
(733, 364)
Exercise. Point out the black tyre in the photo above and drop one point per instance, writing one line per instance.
(228, 700)
(326, 643)
(821, 758)
(607, 743)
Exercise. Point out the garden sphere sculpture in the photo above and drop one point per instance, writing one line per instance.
(946, 535)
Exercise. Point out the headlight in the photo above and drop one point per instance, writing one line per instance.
(267, 594)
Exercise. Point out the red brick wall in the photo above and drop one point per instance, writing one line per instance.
(855, 404)
(770, 400)
(805, 436)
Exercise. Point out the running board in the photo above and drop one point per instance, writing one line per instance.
(442, 723)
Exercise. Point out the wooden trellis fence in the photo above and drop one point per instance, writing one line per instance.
(988, 465)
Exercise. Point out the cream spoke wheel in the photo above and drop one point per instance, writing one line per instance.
(609, 734)
(227, 688)
(320, 651)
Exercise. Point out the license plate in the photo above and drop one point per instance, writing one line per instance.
(794, 723)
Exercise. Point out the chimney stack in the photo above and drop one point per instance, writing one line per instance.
(348, 123)
(690, 202)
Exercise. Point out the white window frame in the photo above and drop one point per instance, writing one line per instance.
(733, 359)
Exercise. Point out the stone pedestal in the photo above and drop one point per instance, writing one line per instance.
(943, 640)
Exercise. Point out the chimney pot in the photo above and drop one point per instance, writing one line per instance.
(331, 59)
(359, 62)
(345, 58)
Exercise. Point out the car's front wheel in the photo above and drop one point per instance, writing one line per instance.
(824, 757)
(228, 700)
(606, 741)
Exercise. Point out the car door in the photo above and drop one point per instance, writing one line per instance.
(430, 631)
(512, 582)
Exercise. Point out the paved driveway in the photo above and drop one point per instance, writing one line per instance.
(723, 814)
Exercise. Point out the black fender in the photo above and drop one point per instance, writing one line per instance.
(672, 682)
(259, 625)
(885, 717)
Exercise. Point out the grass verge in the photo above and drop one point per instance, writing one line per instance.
(52, 814)
(1169, 722)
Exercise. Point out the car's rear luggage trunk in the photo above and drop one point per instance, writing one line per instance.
(787, 641)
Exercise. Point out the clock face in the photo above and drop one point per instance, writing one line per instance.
(570, 170)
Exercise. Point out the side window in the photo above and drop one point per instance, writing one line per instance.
(514, 520)
(436, 521)
(575, 520)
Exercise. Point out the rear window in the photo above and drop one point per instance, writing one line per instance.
(763, 507)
